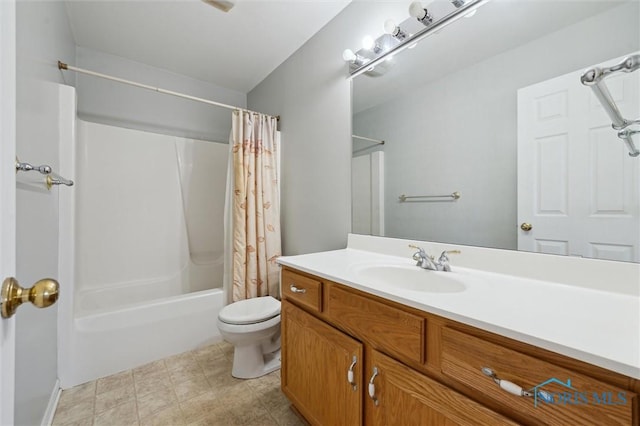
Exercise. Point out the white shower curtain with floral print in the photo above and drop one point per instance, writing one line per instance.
(254, 213)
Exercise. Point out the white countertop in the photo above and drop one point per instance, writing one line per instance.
(591, 325)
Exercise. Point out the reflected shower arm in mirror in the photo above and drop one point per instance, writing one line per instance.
(400, 40)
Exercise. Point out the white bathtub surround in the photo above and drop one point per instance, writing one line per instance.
(256, 206)
(140, 264)
(582, 308)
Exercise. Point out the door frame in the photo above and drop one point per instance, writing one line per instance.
(7, 199)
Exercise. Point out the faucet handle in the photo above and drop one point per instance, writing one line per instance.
(444, 259)
(418, 256)
(446, 252)
(420, 249)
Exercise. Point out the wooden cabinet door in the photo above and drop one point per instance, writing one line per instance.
(315, 362)
(406, 397)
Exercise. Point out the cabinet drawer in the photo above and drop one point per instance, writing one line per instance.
(406, 397)
(385, 327)
(577, 399)
(302, 290)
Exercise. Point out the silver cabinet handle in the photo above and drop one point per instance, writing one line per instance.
(372, 387)
(350, 377)
(295, 289)
(514, 389)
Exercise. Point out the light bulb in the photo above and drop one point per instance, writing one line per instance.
(368, 43)
(416, 10)
(348, 55)
(390, 26)
(420, 13)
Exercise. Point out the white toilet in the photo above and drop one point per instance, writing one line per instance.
(252, 326)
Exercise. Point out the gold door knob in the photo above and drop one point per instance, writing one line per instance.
(44, 293)
(526, 226)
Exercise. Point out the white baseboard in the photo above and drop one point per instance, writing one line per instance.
(47, 419)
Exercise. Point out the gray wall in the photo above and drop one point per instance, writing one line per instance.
(43, 36)
(459, 133)
(311, 93)
(108, 102)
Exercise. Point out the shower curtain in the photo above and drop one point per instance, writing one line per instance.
(255, 206)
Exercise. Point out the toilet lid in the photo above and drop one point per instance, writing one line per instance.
(250, 311)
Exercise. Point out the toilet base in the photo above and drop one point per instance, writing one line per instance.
(249, 362)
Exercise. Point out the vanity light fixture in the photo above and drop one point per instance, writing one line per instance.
(368, 43)
(460, 3)
(396, 40)
(354, 58)
(394, 30)
(420, 13)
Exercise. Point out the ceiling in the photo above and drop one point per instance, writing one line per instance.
(236, 50)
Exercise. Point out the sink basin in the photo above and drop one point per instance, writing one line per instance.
(409, 277)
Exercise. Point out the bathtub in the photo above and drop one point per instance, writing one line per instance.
(112, 341)
(122, 303)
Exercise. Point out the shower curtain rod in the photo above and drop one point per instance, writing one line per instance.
(63, 66)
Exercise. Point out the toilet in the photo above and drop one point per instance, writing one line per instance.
(252, 326)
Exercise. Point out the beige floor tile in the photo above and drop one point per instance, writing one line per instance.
(74, 411)
(156, 401)
(122, 415)
(247, 411)
(227, 349)
(153, 383)
(188, 372)
(220, 367)
(265, 420)
(195, 389)
(197, 408)
(210, 351)
(216, 417)
(115, 381)
(191, 388)
(286, 417)
(76, 393)
(179, 361)
(108, 400)
(151, 369)
(170, 416)
(273, 398)
(87, 421)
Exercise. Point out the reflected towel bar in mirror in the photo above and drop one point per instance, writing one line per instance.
(380, 142)
(453, 196)
(594, 78)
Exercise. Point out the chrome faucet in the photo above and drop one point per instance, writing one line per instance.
(426, 261)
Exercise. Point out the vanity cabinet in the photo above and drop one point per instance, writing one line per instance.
(410, 367)
(316, 360)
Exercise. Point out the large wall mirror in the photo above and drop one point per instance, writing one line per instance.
(492, 108)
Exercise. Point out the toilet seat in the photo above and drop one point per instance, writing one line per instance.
(250, 311)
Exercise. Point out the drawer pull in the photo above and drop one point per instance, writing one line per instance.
(372, 387)
(505, 384)
(514, 389)
(295, 289)
(350, 377)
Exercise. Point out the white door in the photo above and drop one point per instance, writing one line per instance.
(577, 186)
(7, 200)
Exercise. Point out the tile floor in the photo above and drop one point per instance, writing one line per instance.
(193, 388)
